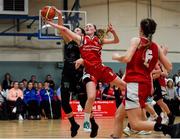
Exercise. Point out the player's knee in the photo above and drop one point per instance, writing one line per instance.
(91, 98)
(134, 126)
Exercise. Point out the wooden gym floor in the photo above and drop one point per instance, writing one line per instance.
(59, 129)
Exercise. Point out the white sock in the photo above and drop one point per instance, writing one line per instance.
(87, 117)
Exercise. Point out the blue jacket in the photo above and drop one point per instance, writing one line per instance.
(31, 95)
(44, 94)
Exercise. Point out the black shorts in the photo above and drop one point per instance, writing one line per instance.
(157, 90)
(72, 79)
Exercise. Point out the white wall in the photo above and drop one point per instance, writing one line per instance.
(125, 16)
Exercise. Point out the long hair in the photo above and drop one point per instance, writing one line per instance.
(100, 33)
(148, 26)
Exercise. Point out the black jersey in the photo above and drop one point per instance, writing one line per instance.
(71, 52)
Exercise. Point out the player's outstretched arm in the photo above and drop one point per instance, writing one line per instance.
(66, 31)
(115, 36)
(129, 53)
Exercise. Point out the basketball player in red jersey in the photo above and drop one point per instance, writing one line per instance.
(141, 59)
(160, 89)
(90, 48)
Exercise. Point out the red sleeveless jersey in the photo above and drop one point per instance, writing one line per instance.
(136, 70)
(91, 51)
(91, 54)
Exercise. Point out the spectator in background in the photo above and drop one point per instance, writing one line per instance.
(3, 105)
(178, 90)
(177, 78)
(108, 93)
(35, 86)
(32, 102)
(39, 88)
(99, 90)
(15, 101)
(50, 81)
(47, 101)
(24, 82)
(6, 84)
(33, 79)
(12, 84)
(178, 98)
(58, 93)
(171, 95)
(21, 86)
(171, 91)
(118, 96)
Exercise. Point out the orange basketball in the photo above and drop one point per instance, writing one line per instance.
(48, 12)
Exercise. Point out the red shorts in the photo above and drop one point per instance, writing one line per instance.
(102, 73)
(136, 95)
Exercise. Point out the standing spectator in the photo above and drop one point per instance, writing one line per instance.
(171, 95)
(32, 102)
(15, 101)
(6, 84)
(50, 81)
(47, 101)
(33, 79)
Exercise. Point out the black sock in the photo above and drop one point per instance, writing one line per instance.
(92, 120)
(72, 121)
(161, 127)
(129, 126)
(94, 128)
(169, 115)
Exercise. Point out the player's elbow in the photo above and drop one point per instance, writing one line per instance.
(125, 59)
(169, 68)
(116, 41)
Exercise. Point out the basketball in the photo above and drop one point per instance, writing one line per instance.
(48, 12)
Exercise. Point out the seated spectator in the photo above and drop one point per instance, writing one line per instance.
(50, 81)
(108, 93)
(39, 88)
(24, 82)
(118, 96)
(99, 90)
(6, 84)
(3, 105)
(15, 101)
(47, 101)
(21, 86)
(177, 78)
(171, 95)
(58, 93)
(35, 86)
(171, 91)
(178, 98)
(32, 102)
